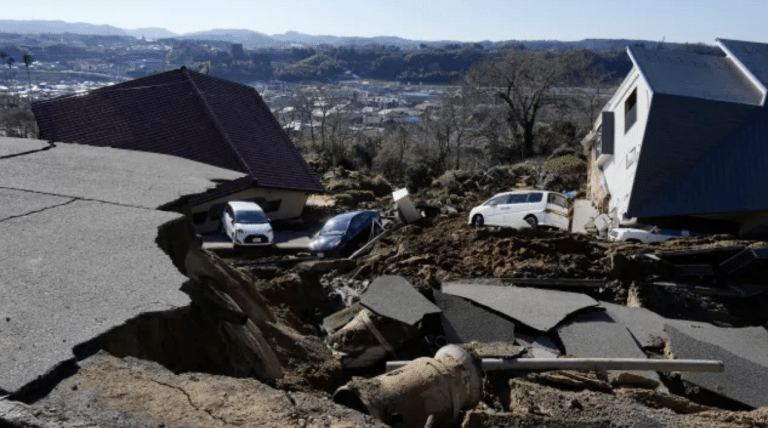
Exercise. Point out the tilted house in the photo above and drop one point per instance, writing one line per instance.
(683, 142)
(197, 117)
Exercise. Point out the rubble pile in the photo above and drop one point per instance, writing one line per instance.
(449, 248)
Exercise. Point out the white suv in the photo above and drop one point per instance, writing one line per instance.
(245, 223)
(539, 208)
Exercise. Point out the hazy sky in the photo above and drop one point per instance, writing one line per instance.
(470, 20)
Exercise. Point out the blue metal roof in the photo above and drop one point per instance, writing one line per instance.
(721, 174)
(707, 77)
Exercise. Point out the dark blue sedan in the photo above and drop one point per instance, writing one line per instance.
(344, 234)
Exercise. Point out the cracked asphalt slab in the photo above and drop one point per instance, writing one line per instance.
(537, 308)
(742, 350)
(15, 203)
(78, 227)
(123, 177)
(73, 272)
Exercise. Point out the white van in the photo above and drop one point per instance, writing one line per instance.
(539, 208)
(245, 223)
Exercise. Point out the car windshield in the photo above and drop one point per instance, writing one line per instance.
(249, 217)
(335, 226)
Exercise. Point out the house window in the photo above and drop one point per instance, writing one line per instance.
(630, 110)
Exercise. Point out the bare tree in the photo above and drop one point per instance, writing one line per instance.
(523, 80)
(304, 104)
(3, 56)
(27, 62)
(10, 62)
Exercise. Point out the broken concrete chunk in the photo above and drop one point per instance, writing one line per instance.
(335, 321)
(536, 308)
(573, 379)
(597, 335)
(394, 297)
(742, 350)
(465, 322)
(495, 349)
(368, 338)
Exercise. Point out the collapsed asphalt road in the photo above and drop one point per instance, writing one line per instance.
(255, 326)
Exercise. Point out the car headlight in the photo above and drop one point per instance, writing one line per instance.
(239, 231)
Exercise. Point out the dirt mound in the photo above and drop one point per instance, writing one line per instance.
(449, 248)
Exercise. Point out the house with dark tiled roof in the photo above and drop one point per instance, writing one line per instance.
(197, 117)
(683, 143)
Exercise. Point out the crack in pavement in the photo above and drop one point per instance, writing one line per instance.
(38, 211)
(77, 198)
(29, 152)
(189, 399)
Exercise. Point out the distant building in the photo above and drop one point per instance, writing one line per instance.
(237, 52)
(684, 141)
(197, 117)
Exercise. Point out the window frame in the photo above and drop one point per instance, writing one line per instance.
(630, 110)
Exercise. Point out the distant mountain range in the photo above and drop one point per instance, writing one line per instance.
(255, 40)
(60, 27)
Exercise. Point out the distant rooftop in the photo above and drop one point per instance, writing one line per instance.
(186, 114)
(707, 77)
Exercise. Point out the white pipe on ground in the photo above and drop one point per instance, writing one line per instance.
(596, 364)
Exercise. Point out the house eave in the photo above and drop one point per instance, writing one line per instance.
(752, 78)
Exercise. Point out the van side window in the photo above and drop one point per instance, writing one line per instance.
(518, 199)
(557, 200)
(498, 200)
(535, 197)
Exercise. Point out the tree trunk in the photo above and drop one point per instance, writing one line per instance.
(528, 139)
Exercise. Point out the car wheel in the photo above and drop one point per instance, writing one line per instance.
(633, 241)
(477, 220)
(532, 222)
